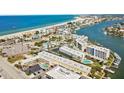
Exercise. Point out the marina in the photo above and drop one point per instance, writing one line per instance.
(88, 56)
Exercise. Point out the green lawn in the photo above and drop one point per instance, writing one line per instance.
(99, 75)
(110, 60)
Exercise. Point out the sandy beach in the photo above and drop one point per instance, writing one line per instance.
(32, 31)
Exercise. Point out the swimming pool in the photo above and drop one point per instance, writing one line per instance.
(87, 61)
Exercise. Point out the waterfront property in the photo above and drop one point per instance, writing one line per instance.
(98, 52)
(115, 30)
(81, 42)
(56, 52)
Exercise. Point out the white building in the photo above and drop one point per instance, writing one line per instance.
(98, 52)
(75, 36)
(62, 73)
(69, 64)
(81, 42)
(73, 53)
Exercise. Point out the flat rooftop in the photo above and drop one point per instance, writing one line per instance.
(71, 50)
(62, 73)
(33, 69)
(67, 63)
(99, 48)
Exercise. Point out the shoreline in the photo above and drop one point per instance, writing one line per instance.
(33, 30)
(40, 29)
(105, 44)
(107, 33)
(111, 34)
(116, 30)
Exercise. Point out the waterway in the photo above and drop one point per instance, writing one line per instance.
(116, 44)
(12, 24)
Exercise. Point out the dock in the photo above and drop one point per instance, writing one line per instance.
(109, 70)
(117, 60)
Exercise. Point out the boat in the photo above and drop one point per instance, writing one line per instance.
(105, 32)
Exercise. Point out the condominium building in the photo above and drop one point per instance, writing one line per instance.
(69, 64)
(98, 52)
(72, 52)
(81, 42)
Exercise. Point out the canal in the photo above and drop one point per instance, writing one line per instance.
(116, 44)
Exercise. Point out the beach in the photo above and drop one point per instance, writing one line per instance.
(32, 31)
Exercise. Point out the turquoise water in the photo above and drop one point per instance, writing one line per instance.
(87, 61)
(12, 24)
(116, 44)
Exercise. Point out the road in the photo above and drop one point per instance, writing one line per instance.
(10, 70)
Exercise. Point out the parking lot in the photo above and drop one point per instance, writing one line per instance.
(4, 74)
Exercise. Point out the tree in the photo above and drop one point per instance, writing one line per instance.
(24, 36)
(37, 32)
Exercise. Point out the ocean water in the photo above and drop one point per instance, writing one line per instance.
(12, 24)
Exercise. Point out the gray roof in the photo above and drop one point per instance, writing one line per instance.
(33, 69)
